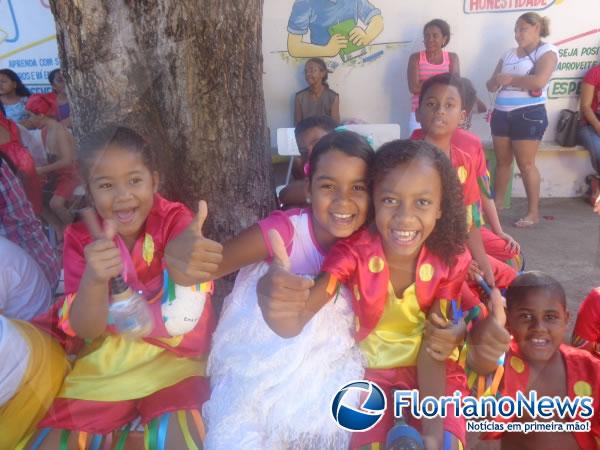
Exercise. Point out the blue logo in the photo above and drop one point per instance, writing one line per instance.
(370, 411)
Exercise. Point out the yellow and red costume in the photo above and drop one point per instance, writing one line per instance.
(587, 328)
(583, 379)
(467, 157)
(115, 379)
(389, 329)
(45, 368)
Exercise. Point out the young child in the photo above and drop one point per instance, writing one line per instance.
(317, 99)
(32, 370)
(538, 360)
(440, 112)
(274, 393)
(429, 62)
(60, 146)
(13, 95)
(586, 334)
(410, 263)
(308, 132)
(115, 379)
(471, 100)
(497, 243)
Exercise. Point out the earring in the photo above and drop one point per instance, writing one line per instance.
(308, 200)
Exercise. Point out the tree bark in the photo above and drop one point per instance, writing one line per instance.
(187, 74)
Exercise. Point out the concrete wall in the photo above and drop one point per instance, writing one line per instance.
(374, 87)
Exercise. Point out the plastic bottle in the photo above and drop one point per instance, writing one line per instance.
(128, 311)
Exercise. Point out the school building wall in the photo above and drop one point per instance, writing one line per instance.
(373, 86)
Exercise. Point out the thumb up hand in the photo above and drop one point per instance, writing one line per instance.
(102, 257)
(191, 254)
(282, 296)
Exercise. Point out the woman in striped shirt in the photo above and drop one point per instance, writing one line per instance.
(429, 62)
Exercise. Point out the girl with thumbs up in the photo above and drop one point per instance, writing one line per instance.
(274, 393)
(115, 380)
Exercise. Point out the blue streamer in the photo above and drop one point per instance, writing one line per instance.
(96, 442)
(162, 431)
(41, 437)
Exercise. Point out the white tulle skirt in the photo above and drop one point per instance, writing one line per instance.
(274, 393)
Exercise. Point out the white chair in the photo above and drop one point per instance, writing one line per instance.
(287, 146)
(376, 133)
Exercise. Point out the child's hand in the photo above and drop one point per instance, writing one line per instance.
(102, 257)
(358, 36)
(511, 244)
(490, 339)
(441, 336)
(193, 255)
(474, 270)
(336, 43)
(282, 295)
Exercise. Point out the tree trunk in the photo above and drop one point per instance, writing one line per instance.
(188, 75)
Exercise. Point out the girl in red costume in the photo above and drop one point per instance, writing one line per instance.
(410, 263)
(10, 146)
(148, 240)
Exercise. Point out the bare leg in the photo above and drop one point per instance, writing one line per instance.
(504, 159)
(525, 152)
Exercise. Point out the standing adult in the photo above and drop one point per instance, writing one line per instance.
(519, 119)
(429, 62)
(589, 109)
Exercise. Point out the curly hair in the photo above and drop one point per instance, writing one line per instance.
(450, 233)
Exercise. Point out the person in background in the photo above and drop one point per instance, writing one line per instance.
(61, 161)
(13, 95)
(589, 110)
(19, 224)
(519, 119)
(472, 103)
(32, 371)
(429, 62)
(24, 290)
(317, 99)
(307, 132)
(58, 96)
(21, 160)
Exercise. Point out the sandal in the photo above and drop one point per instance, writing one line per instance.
(524, 223)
